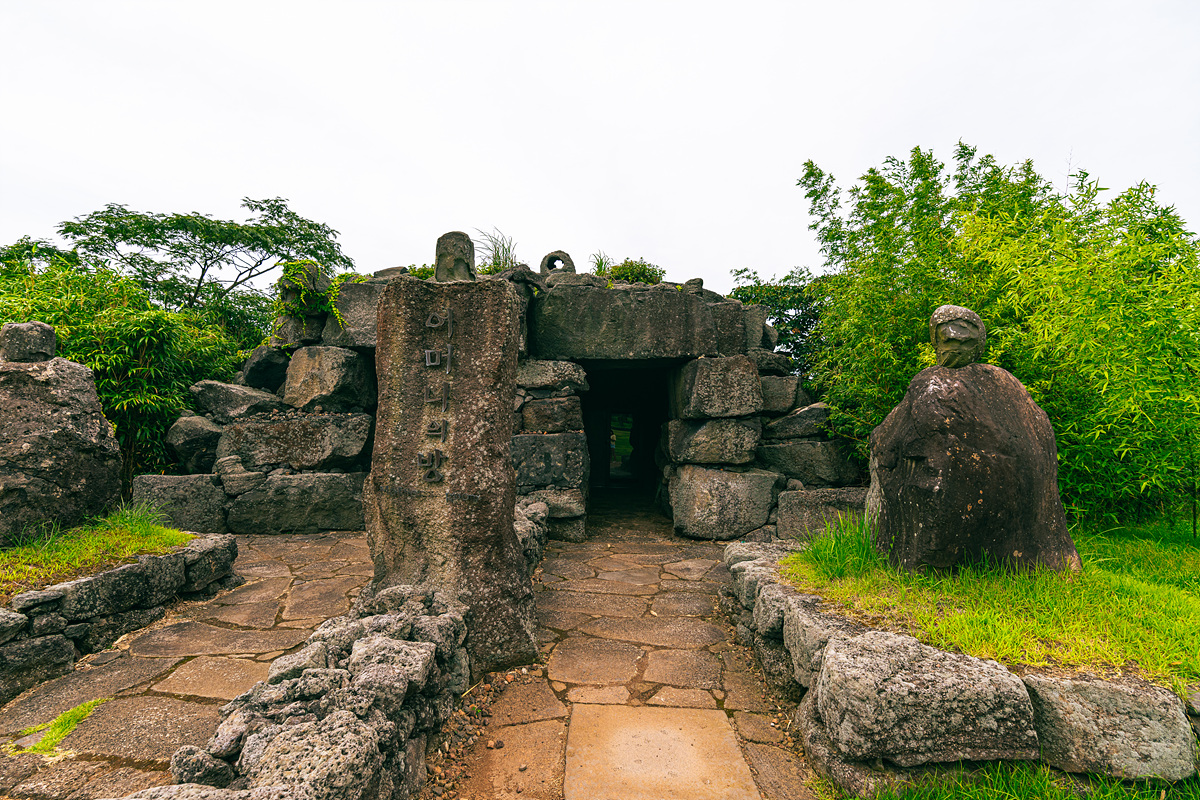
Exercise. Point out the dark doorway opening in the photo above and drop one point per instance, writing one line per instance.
(623, 414)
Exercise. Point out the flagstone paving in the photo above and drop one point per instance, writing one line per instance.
(168, 681)
(643, 695)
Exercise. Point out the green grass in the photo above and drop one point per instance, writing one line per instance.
(1035, 782)
(1135, 608)
(52, 555)
(60, 726)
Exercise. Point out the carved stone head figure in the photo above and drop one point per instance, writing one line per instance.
(455, 259)
(958, 336)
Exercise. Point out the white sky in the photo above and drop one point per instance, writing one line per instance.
(674, 131)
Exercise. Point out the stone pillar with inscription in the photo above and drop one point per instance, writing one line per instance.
(439, 500)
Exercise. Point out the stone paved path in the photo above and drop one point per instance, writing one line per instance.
(168, 681)
(642, 696)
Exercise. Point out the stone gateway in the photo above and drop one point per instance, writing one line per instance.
(966, 467)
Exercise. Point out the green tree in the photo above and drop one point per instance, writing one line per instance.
(144, 357)
(1055, 277)
(192, 261)
(793, 304)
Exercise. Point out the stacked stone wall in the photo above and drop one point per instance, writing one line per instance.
(879, 709)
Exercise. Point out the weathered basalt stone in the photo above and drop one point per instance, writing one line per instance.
(1127, 729)
(884, 695)
(754, 321)
(559, 258)
(815, 464)
(552, 415)
(27, 342)
(806, 631)
(207, 559)
(59, 459)
(966, 468)
(193, 440)
(805, 514)
(553, 459)
(439, 512)
(729, 320)
(779, 393)
(560, 503)
(588, 322)
(358, 306)
(718, 441)
(715, 504)
(337, 758)
(454, 258)
(769, 363)
(190, 502)
(535, 374)
(854, 778)
(329, 379)
(11, 623)
(292, 332)
(266, 368)
(304, 503)
(803, 422)
(30, 661)
(567, 530)
(717, 387)
(302, 442)
(226, 402)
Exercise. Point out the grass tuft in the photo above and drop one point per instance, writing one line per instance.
(1135, 608)
(1016, 781)
(50, 555)
(60, 726)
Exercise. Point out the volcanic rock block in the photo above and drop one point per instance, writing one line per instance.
(718, 441)
(754, 322)
(27, 342)
(815, 464)
(966, 468)
(304, 503)
(729, 320)
(535, 374)
(567, 530)
(552, 415)
(805, 514)
(225, 402)
(291, 332)
(30, 661)
(803, 422)
(769, 363)
(329, 379)
(551, 459)
(191, 502)
(779, 393)
(884, 695)
(717, 387)
(266, 368)
(715, 504)
(358, 306)
(1131, 730)
(561, 503)
(194, 439)
(591, 322)
(806, 632)
(316, 442)
(59, 460)
(440, 512)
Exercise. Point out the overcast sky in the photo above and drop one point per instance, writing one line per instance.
(673, 131)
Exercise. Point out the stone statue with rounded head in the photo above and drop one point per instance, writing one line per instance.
(965, 468)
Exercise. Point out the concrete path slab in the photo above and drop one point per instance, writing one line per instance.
(215, 678)
(692, 569)
(676, 632)
(320, 598)
(698, 669)
(682, 604)
(593, 661)
(682, 698)
(257, 591)
(197, 639)
(54, 697)
(527, 702)
(605, 587)
(247, 615)
(566, 568)
(591, 604)
(643, 753)
(143, 729)
(639, 576)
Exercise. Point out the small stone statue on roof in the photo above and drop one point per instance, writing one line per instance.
(965, 468)
(455, 258)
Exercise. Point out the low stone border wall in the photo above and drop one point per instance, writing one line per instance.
(877, 708)
(45, 631)
(350, 714)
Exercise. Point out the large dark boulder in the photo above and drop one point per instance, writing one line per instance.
(225, 402)
(304, 503)
(552, 459)
(27, 341)
(717, 387)
(717, 441)
(573, 321)
(194, 440)
(966, 468)
(815, 464)
(59, 460)
(329, 379)
(191, 502)
(354, 325)
(266, 368)
(717, 504)
(314, 442)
